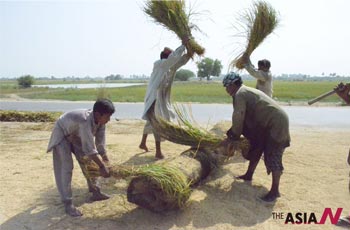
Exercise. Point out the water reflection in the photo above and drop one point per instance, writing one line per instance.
(90, 86)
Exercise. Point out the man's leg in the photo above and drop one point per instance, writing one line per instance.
(159, 153)
(276, 176)
(143, 143)
(92, 183)
(254, 155)
(273, 162)
(147, 129)
(94, 188)
(274, 192)
(63, 168)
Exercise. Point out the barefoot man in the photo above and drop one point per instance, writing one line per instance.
(264, 123)
(159, 88)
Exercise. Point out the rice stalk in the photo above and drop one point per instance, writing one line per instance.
(258, 22)
(171, 180)
(186, 133)
(172, 15)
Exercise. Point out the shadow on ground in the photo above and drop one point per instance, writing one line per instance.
(238, 201)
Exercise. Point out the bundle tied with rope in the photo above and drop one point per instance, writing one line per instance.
(258, 22)
(172, 15)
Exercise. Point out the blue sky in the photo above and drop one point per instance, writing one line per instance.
(98, 38)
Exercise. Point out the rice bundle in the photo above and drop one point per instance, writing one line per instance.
(169, 179)
(186, 133)
(259, 21)
(172, 15)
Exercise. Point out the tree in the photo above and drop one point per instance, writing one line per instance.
(25, 81)
(217, 67)
(183, 75)
(114, 77)
(208, 67)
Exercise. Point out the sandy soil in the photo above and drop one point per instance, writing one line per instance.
(315, 177)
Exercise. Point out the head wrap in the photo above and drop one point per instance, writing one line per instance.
(167, 50)
(231, 78)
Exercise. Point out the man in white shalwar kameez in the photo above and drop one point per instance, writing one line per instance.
(159, 89)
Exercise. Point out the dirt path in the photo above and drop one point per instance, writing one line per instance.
(315, 177)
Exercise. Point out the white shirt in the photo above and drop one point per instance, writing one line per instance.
(79, 128)
(159, 85)
(264, 79)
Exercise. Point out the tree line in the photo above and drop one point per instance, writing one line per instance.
(207, 68)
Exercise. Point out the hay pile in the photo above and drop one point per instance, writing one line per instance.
(258, 22)
(172, 15)
(21, 116)
(173, 183)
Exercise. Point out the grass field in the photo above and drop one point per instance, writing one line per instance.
(202, 92)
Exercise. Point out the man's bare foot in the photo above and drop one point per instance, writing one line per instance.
(159, 156)
(144, 147)
(72, 210)
(270, 197)
(97, 196)
(245, 177)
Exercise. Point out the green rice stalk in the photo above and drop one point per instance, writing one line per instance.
(172, 15)
(259, 22)
(186, 133)
(170, 179)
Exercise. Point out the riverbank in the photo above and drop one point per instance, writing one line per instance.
(315, 177)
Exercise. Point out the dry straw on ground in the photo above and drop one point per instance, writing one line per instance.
(29, 197)
(25, 116)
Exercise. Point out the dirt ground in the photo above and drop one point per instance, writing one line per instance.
(316, 177)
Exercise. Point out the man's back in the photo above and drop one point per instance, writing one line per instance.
(263, 112)
(264, 79)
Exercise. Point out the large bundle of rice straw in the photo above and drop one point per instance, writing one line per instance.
(172, 15)
(259, 22)
(168, 178)
(187, 133)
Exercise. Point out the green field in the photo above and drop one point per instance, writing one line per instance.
(202, 92)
